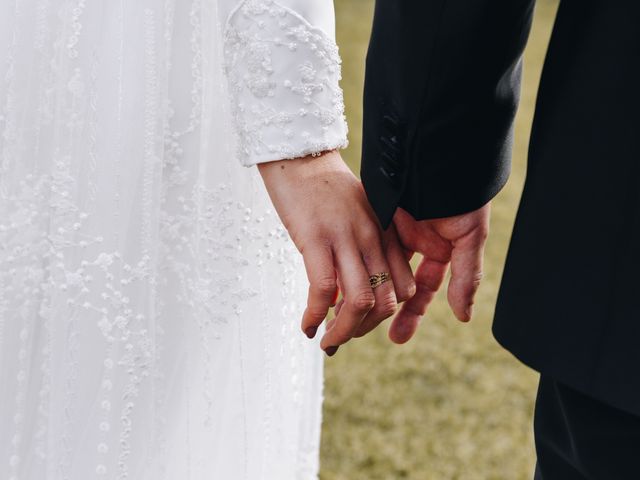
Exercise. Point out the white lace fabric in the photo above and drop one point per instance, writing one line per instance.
(284, 75)
(149, 297)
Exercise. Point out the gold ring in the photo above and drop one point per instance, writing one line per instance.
(378, 279)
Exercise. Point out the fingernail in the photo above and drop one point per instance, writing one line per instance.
(311, 332)
(331, 351)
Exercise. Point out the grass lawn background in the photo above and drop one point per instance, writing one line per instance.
(451, 404)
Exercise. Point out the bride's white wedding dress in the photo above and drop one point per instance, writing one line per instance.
(150, 300)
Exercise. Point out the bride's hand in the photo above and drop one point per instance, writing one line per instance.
(325, 210)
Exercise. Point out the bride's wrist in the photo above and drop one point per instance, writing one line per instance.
(302, 167)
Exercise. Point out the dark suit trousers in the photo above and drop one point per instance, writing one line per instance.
(579, 438)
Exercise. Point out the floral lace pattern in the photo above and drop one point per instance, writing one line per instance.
(283, 75)
(149, 296)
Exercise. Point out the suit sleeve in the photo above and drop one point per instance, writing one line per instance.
(441, 91)
(283, 71)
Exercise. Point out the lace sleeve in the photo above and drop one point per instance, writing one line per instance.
(283, 74)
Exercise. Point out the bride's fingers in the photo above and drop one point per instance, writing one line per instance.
(323, 287)
(429, 276)
(358, 297)
(385, 294)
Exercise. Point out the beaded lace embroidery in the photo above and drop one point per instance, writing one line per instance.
(284, 78)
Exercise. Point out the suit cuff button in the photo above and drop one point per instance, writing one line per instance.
(389, 122)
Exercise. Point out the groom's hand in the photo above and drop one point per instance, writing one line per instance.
(455, 241)
(325, 210)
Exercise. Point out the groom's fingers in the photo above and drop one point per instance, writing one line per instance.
(398, 258)
(429, 276)
(323, 287)
(466, 273)
(358, 296)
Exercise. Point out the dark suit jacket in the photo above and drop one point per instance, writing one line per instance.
(441, 91)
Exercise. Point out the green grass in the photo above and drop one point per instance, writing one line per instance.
(451, 404)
